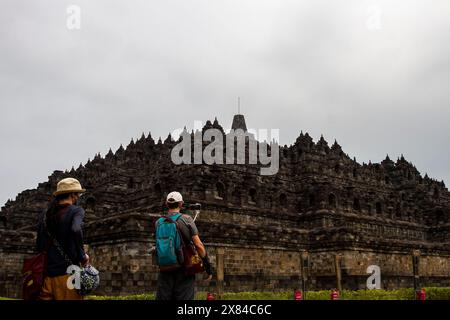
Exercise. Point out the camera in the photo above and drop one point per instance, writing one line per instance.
(195, 206)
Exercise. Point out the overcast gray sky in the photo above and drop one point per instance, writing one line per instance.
(374, 75)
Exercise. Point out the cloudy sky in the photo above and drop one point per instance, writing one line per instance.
(373, 74)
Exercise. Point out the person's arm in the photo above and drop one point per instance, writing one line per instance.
(201, 250)
(203, 254)
(193, 233)
(77, 229)
(199, 245)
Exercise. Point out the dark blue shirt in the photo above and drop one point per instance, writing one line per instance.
(69, 234)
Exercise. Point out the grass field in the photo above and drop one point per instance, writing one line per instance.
(432, 293)
(400, 294)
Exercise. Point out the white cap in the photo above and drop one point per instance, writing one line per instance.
(174, 196)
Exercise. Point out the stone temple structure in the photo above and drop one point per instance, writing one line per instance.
(319, 222)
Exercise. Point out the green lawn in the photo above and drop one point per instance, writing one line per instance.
(432, 293)
(400, 294)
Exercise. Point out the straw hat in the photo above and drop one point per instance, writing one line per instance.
(68, 185)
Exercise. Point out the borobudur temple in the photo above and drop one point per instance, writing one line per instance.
(321, 220)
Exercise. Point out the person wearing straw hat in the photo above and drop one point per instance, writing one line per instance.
(62, 223)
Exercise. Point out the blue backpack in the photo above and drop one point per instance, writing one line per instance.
(169, 251)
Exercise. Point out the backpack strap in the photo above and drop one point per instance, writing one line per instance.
(43, 229)
(53, 241)
(180, 232)
(178, 216)
(170, 219)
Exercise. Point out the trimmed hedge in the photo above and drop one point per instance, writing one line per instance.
(432, 293)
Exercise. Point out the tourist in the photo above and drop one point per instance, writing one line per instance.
(174, 283)
(60, 230)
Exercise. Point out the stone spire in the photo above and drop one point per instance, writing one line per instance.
(110, 154)
(336, 147)
(150, 140)
(239, 122)
(387, 161)
(168, 139)
(120, 150)
(322, 145)
(216, 125)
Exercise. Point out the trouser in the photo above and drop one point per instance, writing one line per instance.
(175, 286)
(55, 288)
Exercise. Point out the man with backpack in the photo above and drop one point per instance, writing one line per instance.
(175, 232)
